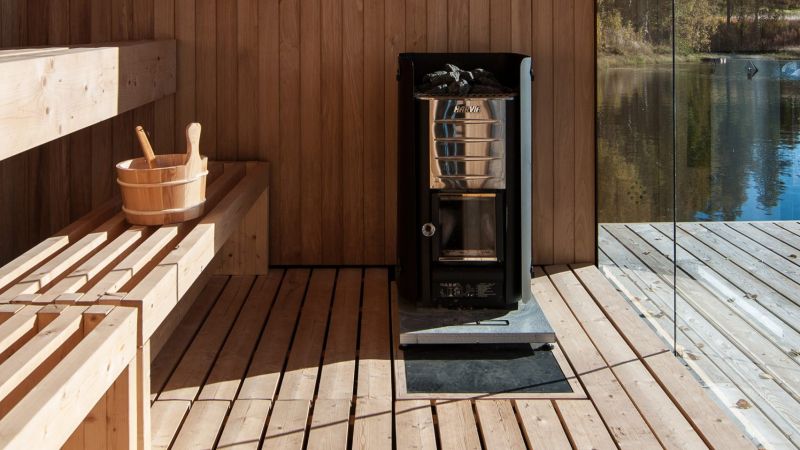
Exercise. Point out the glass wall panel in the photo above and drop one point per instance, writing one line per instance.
(698, 142)
(738, 201)
(635, 155)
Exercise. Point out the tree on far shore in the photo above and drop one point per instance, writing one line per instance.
(644, 27)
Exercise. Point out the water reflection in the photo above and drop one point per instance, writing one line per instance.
(738, 143)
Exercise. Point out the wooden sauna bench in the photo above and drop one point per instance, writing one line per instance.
(103, 296)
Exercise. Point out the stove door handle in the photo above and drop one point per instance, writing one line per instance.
(428, 230)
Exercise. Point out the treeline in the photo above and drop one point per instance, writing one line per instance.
(641, 27)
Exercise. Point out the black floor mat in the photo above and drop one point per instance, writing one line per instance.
(485, 368)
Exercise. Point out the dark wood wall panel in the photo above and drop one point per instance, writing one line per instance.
(309, 85)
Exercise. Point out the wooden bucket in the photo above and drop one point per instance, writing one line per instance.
(174, 191)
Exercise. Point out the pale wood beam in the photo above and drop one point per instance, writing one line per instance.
(47, 93)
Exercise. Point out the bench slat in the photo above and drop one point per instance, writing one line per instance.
(79, 278)
(61, 263)
(150, 251)
(17, 330)
(19, 267)
(18, 370)
(134, 262)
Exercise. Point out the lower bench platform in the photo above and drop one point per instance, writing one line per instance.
(97, 302)
(62, 364)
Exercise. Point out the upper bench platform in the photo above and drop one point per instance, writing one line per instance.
(47, 93)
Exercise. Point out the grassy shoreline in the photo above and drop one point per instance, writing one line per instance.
(610, 61)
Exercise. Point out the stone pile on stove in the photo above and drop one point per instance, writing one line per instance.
(456, 81)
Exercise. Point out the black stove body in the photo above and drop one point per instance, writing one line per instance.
(464, 185)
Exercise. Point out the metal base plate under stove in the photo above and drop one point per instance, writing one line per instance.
(430, 325)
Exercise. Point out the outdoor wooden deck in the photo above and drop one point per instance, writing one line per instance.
(738, 310)
(302, 358)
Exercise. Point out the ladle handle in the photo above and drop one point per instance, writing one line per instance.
(193, 163)
(147, 149)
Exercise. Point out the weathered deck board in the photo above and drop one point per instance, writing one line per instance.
(737, 305)
(709, 295)
(321, 375)
(730, 346)
(727, 379)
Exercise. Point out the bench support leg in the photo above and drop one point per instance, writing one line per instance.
(122, 407)
(247, 250)
(143, 396)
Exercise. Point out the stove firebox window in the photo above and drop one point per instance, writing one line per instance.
(468, 227)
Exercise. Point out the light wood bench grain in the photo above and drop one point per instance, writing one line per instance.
(101, 263)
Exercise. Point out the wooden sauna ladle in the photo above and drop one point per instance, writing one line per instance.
(147, 149)
(193, 163)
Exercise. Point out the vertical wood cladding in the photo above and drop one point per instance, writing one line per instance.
(309, 85)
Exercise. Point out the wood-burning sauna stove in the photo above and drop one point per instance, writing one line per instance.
(464, 226)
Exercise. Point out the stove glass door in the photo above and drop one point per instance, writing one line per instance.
(468, 227)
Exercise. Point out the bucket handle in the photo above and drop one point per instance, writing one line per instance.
(193, 162)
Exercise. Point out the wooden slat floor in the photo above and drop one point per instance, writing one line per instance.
(738, 308)
(302, 358)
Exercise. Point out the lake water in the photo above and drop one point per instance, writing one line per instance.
(738, 143)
